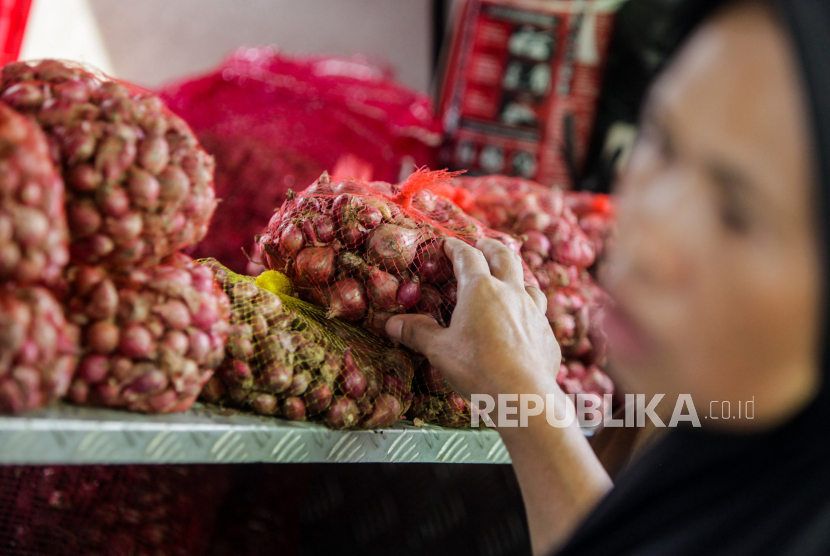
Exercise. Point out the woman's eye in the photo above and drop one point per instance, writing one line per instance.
(731, 191)
(734, 218)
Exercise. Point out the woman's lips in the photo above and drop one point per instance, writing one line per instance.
(627, 341)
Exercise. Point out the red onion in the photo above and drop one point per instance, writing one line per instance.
(564, 328)
(317, 397)
(353, 233)
(456, 403)
(137, 176)
(293, 408)
(536, 242)
(430, 303)
(342, 413)
(102, 337)
(387, 411)
(347, 300)
(432, 264)
(382, 288)
(376, 322)
(409, 294)
(351, 380)
(324, 228)
(370, 217)
(315, 265)
(278, 377)
(299, 384)
(392, 246)
(264, 404)
(292, 240)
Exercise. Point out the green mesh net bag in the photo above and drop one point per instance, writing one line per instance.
(286, 357)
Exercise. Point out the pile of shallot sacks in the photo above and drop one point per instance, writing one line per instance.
(100, 187)
(367, 251)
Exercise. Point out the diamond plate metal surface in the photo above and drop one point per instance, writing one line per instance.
(69, 434)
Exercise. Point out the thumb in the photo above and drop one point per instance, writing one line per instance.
(418, 332)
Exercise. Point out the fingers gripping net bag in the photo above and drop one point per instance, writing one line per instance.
(138, 185)
(367, 251)
(114, 510)
(285, 357)
(561, 233)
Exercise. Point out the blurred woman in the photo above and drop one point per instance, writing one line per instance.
(718, 276)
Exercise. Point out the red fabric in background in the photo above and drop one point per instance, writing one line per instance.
(275, 121)
(13, 17)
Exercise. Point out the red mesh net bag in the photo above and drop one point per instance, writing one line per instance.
(151, 336)
(275, 121)
(285, 357)
(116, 510)
(367, 251)
(138, 185)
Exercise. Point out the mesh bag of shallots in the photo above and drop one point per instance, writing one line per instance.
(285, 357)
(367, 251)
(115, 510)
(138, 184)
(151, 336)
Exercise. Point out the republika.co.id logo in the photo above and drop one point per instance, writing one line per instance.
(591, 410)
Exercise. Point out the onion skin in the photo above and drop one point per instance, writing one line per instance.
(315, 266)
(382, 289)
(431, 303)
(387, 411)
(293, 408)
(392, 246)
(432, 264)
(299, 384)
(409, 294)
(317, 397)
(343, 413)
(348, 300)
(376, 322)
(351, 380)
(292, 240)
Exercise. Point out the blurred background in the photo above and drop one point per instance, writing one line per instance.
(151, 42)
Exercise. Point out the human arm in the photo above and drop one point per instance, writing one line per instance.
(499, 342)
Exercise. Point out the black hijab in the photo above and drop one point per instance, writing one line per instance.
(699, 491)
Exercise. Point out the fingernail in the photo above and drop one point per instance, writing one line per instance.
(394, 327)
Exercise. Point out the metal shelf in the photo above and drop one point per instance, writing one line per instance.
(68, 434)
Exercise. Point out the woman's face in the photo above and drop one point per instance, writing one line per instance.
(716, 268)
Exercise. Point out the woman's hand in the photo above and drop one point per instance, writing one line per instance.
(499, 341)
